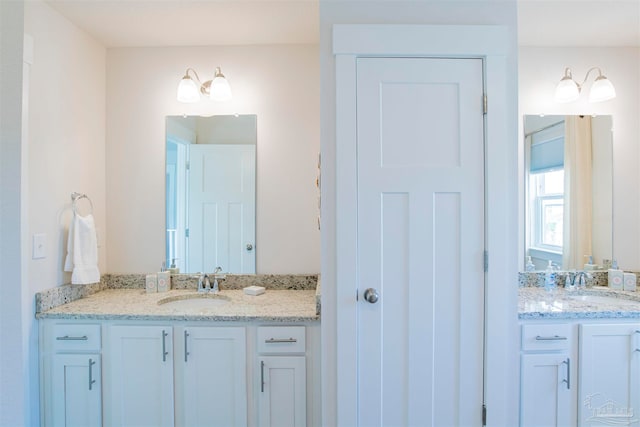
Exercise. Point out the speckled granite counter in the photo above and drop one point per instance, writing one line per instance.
(136, 304)
(536, 303)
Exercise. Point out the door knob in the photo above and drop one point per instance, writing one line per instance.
(371, 295)
(249, 247)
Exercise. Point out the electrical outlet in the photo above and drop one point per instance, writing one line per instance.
(39, 246)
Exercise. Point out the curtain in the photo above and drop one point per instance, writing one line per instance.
(577, 192)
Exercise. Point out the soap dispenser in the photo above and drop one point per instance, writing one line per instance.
(164, 279)
(530, 266)
(615, 277)
(549, 278)
(173, 269)
(590, 266)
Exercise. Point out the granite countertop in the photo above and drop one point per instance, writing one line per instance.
(136, 304)
(536, 303)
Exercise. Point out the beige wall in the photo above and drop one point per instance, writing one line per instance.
(64, 152)
(280, 84)
(66, 135)
(540, 69)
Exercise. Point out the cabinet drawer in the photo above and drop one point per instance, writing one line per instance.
(75, 337)
(546, 337)
(281, 339)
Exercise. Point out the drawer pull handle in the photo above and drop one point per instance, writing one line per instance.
(164, 346)
(186, 350)
(280, 340)
(568, 380)
(68, 338)
(553, 338)
(262, 376)
(91, 380)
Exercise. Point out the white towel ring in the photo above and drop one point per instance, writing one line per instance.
(77, 196)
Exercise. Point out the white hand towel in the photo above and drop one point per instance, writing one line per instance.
(82, 251)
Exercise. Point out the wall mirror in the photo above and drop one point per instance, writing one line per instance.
(211, 193)
(568, 191)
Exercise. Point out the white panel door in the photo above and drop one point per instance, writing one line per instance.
(221, 218)
(140, 378)
(211, 377)
(545, 398)
(283, 398)
(420, 149)
(609, 375)
(77, 385)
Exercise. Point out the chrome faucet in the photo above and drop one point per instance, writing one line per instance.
(581, 278)
(215, 288)
(203, 283)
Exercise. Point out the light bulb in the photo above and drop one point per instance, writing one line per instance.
(188, 91)
(602, 90)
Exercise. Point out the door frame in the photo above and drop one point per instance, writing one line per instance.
(490, 43)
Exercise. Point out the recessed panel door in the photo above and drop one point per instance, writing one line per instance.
(420, 149)
(222, 208)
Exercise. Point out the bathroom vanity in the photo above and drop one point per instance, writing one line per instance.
(126, 357)
(579, 357)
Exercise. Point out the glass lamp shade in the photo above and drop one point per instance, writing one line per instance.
(220, 89)
(602, 90)
(567, 90)
(188, 90)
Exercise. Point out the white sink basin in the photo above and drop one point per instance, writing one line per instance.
(604, 299)
(194, 302)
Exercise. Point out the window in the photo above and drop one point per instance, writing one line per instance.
(547, 210)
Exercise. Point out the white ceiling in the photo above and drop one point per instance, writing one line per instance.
(138, 23)
(127, 23)
(579, 23)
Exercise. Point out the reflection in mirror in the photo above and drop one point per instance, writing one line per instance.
(211, 193)
(568, 188)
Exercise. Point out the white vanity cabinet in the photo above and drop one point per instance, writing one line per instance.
(609, 374)
(182, 373)
(282, 376)
(70, 360)
(211, 376)
(547, 373)
(208, 365)
(139, 375)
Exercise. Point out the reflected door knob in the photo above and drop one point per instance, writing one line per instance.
(371, 295)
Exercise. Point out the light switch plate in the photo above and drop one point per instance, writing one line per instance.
(39, 246)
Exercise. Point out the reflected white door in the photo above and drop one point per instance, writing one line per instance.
(222, 208)
(420, 149)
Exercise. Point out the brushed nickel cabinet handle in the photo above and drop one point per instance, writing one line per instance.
(568, 379)
(164, 346)
(91, 380)
(553, 338)
(68, 338)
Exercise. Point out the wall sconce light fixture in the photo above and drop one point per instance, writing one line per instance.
(568, 90)
(217, 89)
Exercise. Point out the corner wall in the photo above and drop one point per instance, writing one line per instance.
(14, 390)
(64, 148)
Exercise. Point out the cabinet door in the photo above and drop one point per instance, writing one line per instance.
(76, 397)
(545, 398)
(140, 391)
(282, 394)
(211, 379)
(609, 375)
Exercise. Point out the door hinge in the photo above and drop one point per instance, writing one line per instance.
(188, 165)
(486, 261)
(484, 415)
(186, 232)
(485, 104)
